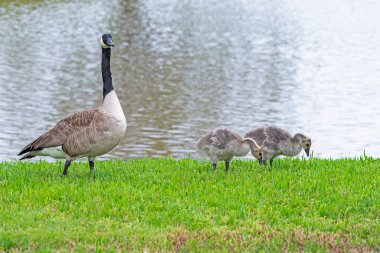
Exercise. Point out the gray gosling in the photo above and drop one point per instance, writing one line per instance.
(88, 133)
(276, 141)
(222, 144)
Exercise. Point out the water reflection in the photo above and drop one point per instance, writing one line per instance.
(183, 68)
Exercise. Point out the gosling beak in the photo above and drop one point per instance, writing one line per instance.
(261, 161)
(109, 42)
(307, 151)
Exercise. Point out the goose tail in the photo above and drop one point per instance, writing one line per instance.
(27, 156)
(28, 148)
(44, 141)
(54, 152)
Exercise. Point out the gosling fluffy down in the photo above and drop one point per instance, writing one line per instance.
(222, 144)
(276, 141)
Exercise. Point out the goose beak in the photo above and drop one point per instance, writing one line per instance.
(110, 43)
(307, 151)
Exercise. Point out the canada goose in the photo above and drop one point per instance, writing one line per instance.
(276, 141)
(88, 133)
(222, 144)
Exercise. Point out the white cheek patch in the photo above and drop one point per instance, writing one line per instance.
(102, 43)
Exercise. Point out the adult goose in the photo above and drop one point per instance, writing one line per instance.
(222, 144)
(88, 133)
(276, 141)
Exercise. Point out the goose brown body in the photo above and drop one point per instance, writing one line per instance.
(222, 144)
(276, 141)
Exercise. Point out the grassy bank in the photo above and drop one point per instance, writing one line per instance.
(164, 204)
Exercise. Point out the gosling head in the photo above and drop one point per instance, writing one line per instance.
(304, 141)
(258, 154)
(106, 41)
(256, 150)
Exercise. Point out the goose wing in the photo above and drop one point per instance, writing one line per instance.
(221, 137)
(65, 128)
(274, 137)
(276, 134)
(258, 135)
(269, 137)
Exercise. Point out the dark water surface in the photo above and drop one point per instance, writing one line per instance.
(181, 68)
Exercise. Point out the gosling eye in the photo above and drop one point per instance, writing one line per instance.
(260, 153)
(307, 145)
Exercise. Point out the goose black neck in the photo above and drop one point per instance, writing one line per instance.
(106, 71)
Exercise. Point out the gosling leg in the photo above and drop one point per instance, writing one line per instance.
(227, 165)
(271, 162)
(213, 167)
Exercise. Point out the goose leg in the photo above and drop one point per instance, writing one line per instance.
(67, 165)
(91, 163)
(227, 165)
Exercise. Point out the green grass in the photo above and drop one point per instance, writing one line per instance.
(170, 205)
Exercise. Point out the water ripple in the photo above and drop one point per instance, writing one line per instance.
(183, 68)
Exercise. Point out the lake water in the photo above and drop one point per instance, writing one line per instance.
(182, 68)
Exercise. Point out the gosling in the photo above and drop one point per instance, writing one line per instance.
(222, 144)
(276, 141)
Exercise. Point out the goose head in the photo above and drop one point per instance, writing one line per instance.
(106, 41)
(304, 141)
